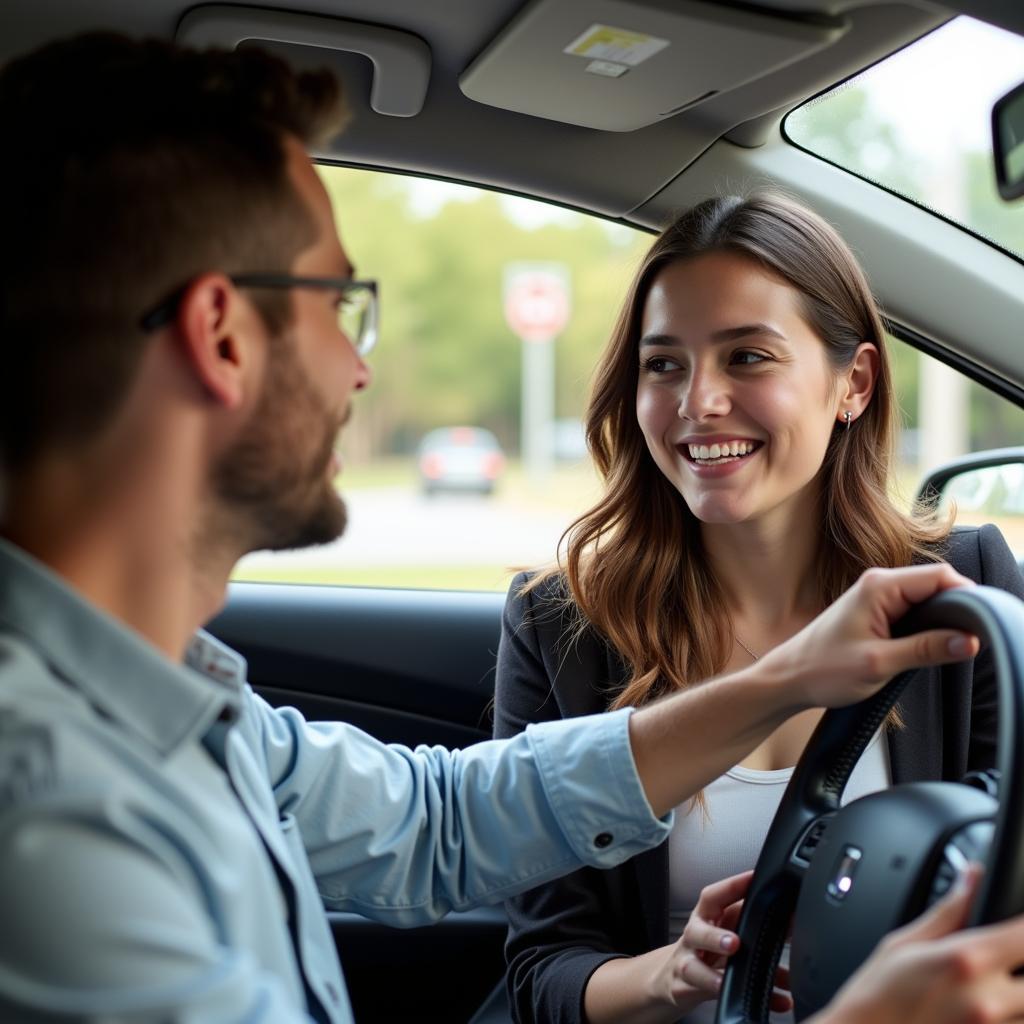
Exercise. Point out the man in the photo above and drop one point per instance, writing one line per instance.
(174, 377)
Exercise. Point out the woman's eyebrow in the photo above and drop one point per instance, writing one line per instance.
(657, 339)
(725, 334)
(734, 333)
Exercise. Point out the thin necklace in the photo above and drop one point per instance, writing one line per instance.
(756, 657)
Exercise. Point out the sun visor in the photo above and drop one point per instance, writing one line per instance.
(401, 61)
(618, 65)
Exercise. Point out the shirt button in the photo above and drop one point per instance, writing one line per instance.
(332, 992)
(603, 839)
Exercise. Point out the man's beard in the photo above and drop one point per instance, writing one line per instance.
(271, 489)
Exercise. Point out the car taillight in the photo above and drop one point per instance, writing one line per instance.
(493, 465)
(432, 466)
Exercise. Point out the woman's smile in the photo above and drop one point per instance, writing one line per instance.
(710, 451)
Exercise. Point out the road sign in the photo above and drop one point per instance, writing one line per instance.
(537, 308)
(537, 301)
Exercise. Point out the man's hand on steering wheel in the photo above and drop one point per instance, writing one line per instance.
(848, 651)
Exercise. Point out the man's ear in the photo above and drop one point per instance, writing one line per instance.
(215, 331)
(859, 380)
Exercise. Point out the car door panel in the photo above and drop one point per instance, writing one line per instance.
(409, 666)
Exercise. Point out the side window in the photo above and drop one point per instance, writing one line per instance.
(464, 461)
(946, 415)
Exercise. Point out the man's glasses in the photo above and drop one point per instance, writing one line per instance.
(357, 308)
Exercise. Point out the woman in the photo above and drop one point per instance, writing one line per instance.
(742, 420)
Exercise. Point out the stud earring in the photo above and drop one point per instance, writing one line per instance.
(848, 416)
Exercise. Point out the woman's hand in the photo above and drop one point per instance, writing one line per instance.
(691, 972)
(661, 986)
(848, 651)
(928, 972)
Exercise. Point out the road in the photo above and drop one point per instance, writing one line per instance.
(400, 526)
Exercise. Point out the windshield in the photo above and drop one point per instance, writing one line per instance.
(918, 123)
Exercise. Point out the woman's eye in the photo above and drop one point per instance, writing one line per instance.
(660, 364)
(747, 358)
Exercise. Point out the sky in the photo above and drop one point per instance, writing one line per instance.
(427, 197)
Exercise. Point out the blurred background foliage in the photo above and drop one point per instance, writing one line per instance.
(446, 355)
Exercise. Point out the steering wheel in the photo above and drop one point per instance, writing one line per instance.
(847, 876)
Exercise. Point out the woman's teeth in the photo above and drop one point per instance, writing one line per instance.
(721, 450)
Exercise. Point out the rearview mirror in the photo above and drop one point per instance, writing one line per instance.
(1008, 143)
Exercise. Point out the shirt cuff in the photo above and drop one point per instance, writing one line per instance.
(590, 779)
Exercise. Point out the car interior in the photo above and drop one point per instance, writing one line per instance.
(627, 111)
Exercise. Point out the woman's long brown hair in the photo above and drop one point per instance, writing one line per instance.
(634, 563)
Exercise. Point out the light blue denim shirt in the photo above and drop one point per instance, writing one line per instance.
(168, 841)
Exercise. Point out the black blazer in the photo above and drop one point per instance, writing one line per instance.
(562, 932)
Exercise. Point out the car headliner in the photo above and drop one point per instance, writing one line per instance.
(954, 291)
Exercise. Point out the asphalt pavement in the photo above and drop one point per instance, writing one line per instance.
(401, 526)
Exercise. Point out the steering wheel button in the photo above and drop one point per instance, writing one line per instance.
(845, 872)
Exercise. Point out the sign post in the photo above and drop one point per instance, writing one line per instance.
(537, 308)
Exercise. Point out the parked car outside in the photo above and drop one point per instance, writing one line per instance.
(460, 459)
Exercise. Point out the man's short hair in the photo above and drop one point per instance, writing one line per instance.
(131, 167)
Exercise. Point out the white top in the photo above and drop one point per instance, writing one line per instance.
(707, 847)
